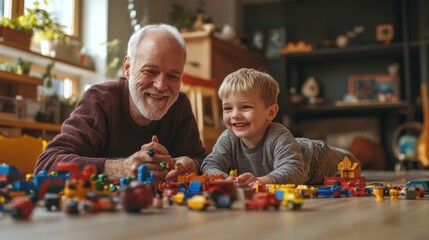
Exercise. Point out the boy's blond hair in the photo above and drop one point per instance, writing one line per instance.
(250, 81)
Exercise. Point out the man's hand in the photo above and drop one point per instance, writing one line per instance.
(118, 168)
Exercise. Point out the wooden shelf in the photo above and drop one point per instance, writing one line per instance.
(61, 65)
(15, 78)
(331, 110)
(347, 52)
(30, 125)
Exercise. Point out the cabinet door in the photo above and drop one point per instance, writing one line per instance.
(199, 56)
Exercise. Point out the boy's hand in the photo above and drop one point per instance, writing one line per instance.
(246, 178)
(181, 166)
(265, 180)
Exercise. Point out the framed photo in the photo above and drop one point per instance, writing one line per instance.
(275, 41)
(258, 39)
(384, 33)
(374, 87)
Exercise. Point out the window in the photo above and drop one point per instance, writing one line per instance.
(67, 12)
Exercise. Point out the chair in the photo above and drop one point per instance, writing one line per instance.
(203, 97)
(21, 152)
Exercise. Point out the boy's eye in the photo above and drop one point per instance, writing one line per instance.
(227, 108)
(246, 107)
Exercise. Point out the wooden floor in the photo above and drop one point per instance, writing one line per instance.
(320, 218)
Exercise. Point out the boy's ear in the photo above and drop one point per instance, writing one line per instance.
(272, 111)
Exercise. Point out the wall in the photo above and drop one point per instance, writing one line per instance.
(94, 33)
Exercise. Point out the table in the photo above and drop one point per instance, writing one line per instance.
(320, 218)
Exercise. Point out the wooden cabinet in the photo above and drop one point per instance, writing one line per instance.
(211, 59)
(320, 23)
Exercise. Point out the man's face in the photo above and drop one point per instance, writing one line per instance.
(155, 75)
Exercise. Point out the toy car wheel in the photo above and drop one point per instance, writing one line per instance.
(277, 207)
(296, 206)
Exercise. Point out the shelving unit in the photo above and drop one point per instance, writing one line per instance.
(61, 65)
(315, 20)
(12, 84)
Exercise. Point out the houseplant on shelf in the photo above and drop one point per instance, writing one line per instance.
(34, 21)
(17, 31)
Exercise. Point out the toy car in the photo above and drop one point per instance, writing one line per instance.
(306, 191)
(198, 202)
(136, 196)
(290, 198)
(21, 207)
(263, 200)
(421, 185)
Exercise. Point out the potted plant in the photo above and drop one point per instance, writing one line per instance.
(17, 31)
(35, 20)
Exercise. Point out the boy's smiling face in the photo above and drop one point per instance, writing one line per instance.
(247, 116)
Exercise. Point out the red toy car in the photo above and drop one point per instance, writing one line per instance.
(21, 207)
(263, 200)
(136, 196)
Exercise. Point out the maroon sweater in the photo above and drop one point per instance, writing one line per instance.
(101, 128)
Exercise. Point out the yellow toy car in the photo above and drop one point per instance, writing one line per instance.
(198, 202)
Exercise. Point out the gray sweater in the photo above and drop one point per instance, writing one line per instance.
(278, 155)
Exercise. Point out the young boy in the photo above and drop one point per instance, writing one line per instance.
(259, 148)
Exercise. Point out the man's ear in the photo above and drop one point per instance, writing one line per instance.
(272, 111)
(126, 67)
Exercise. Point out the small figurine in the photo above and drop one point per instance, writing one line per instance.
(165, 165)
(342, 41)
(233, 173)
(379, 193)
(178, 165)
(394, 194)
(151, 152)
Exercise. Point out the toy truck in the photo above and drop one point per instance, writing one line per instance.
(263, 200)
(21, 207)
(136, 196)
(420, 185)
(222, 193)
(290, 198)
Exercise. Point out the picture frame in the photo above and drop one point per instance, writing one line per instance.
(258, 39)
(384, 33)
(374, 87)
(276, 39)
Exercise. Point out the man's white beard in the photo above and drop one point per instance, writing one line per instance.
(147, 109)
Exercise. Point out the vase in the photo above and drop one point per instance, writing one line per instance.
(15, 38)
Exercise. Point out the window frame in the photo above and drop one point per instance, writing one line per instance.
(18, 9)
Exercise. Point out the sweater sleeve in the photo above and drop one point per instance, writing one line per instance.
(289, 166)
(81, 138)
(219, 160)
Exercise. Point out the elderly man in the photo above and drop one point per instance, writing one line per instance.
(142, 118)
